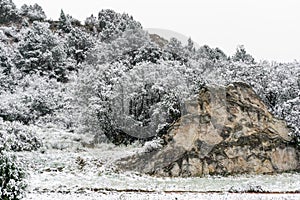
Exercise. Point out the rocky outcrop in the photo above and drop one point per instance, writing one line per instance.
(160, 41)
(224, 130)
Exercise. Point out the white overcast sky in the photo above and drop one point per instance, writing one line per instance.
(269, 29)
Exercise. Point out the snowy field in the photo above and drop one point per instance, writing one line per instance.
(68, 168)
(184, 196)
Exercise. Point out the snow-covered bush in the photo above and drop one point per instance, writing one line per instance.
(33, 97)
(61, 101)
(12, 177)
(15, 136)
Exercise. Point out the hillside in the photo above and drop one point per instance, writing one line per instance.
(108, 82)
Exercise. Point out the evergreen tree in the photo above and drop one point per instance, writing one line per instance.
(42, 52)
(112, 25)
(220, 55)
(64, 22)
(210, 53)
(175, 48)
(5, 58)
(8, 12)
(78, 43)
(91, 23)
(174, 45)
(190, 45)
(34, 12)
(242, 56)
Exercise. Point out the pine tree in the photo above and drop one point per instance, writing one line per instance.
(42, 52)
(91, 23)
(8, 12)
(242, 56)
(112, 25)
(190, 45)
(34, 13)
(64, 22)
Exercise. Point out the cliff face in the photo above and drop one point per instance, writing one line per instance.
(224, 130)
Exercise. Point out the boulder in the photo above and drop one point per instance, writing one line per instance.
(223, 131)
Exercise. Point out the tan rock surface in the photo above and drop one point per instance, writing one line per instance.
(224, 130)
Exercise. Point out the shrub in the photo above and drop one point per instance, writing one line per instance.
(12, 174)
(15, 136)
(34, 97)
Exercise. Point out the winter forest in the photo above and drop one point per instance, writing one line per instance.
(106, 85)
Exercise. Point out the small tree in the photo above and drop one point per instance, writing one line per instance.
(242, 56)
(175, 46)
(64, 22)
(190, 45)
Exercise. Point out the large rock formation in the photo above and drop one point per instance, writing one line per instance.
(225, 130)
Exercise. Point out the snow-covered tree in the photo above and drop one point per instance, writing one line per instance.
(175, 46)
(122, 82)
(190, 45)
(8, 12)
(42, 52)
(112, 25)
(127, 48)
(91, 23)
(242, 56)
(140, 102)
(5, 58)
(64, 22)
(78, 43)
(213, 54)
(33, 12)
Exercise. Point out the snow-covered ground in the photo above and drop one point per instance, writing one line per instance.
(161, 195)
(67, 167)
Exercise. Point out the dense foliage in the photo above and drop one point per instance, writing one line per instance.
(110, 78)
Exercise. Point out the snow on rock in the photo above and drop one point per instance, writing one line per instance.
(226, 130)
